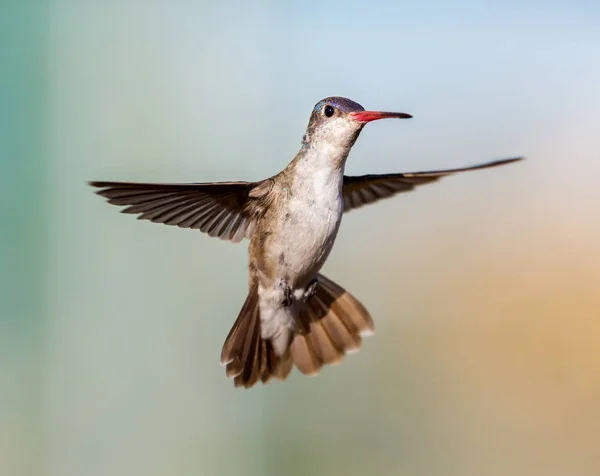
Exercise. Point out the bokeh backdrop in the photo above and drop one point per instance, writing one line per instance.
(485, 287)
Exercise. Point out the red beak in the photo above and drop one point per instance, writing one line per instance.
(368, 116)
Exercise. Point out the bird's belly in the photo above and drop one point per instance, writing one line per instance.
(303, 239)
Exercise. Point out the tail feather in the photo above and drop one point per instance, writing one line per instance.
(336, 321)
(355, 316)
(342, 336)
(250, 369)
(305, 356)
(234, 340)
(330, 324)
(248, 357)
(326, 348)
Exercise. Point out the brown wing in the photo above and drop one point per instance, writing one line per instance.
(227, 210)
(361, 190)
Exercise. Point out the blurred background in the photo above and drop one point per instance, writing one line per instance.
(485, 287)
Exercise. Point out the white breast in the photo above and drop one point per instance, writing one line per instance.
(310, 224)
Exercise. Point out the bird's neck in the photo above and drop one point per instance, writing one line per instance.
(321, 156)
(316, 168)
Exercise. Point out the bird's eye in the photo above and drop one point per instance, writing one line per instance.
(329, 111)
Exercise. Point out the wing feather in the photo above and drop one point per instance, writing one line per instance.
(227, 210)
(362, 190)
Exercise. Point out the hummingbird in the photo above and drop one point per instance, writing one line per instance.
(292, 315)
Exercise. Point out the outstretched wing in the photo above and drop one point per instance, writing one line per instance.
(365, 189)
(228, 210)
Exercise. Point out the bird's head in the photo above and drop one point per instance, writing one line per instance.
(338, 121)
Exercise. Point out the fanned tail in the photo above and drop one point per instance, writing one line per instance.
(330, 324)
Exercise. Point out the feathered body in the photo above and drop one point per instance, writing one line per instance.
(295, 238)
(292, 314)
